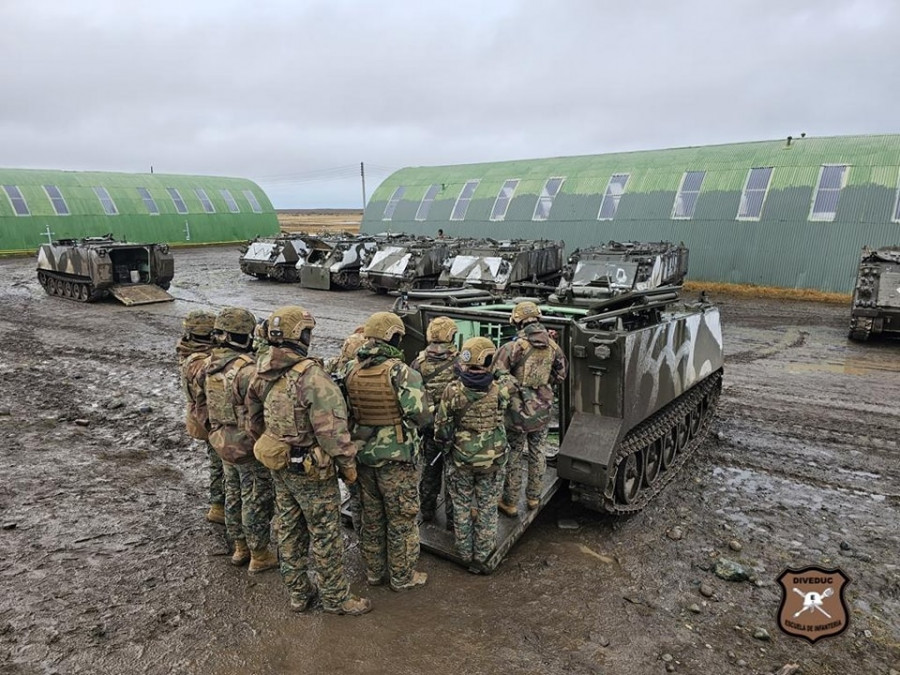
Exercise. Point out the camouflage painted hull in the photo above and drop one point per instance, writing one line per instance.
(89, 269)
(644, 381)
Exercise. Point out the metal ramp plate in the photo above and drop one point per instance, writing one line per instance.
(139, 294)
(437, 539)
(315, 277)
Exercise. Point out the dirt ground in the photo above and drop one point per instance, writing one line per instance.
(108, 566)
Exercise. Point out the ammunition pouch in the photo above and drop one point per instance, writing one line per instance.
(272, 452)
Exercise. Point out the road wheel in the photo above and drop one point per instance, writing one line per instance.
(628, 479)
(652, 461)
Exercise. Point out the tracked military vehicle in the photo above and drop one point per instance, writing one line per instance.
(88, 269)
(335, 262)
(503, 266)
(275, 258)
(600, 272)
(645, 372)
(405, 262)
(876, 297)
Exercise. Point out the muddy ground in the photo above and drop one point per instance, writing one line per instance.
(108, 566)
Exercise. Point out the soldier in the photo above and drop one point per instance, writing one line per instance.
(470, 420)
(536, 363)
(299, 418)
(192, 348)
(435, 365)
(388, 407)
(248, 484)
(351, 345)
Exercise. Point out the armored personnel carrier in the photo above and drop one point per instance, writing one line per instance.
(503, 266)
(335, 262)
(600, 272)
(275, 258)
(406, 262)
(645, 372)
(876, 297)
(88, 269)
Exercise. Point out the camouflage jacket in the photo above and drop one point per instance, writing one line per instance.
(230, 439)
(435, 365)
(478, 449)
(537, 364)
(191, 369)
(320, 412)
(383, 444)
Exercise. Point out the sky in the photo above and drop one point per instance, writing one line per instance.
(294, 94)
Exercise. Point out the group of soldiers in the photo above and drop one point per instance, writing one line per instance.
(281, 428)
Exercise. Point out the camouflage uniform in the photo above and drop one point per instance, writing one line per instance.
(388, 477)
(248, 484)
(336, 367)
(536, 363)
(293, 402)
(435, 365)
(191, 352)
(470, 419)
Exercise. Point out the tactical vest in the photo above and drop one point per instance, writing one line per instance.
(533, 370)
(279, 407)
(483, 414)
(436, 375)
(219, 388)
(372, 397)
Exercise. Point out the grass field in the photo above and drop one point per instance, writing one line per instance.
(319, 220)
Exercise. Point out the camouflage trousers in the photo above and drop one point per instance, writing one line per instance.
(231, 479)
(474, 495)
(216, 476)
(309, 516)
(249, 502)
(432, 477)
(390, 533)
(537, 465)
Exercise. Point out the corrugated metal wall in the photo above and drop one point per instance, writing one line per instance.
(133, 222)
(783, 248)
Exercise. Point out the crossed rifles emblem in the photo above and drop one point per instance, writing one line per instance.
(813, 601)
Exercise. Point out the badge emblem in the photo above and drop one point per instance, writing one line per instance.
(465, 356)
(812, 603)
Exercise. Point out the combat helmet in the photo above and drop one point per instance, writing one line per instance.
(384, 326)
(477, 351)
(233, 322)
(441, 329)
(290, 324)
(524, 311)
(198, 323)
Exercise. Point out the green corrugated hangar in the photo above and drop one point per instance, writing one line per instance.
(36, 206)
(793, 213)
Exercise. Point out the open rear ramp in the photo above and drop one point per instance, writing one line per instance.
(436, 538)
(139, 294)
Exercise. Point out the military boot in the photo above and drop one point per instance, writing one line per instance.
(241, 555)
(507, 509)
(216, 514)
(300, 604)
(262, 560)
(533, 504)
(417, 579)
(352, 606)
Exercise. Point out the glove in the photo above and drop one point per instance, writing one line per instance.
(348, 473)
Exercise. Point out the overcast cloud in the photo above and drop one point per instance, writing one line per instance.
(295, 94)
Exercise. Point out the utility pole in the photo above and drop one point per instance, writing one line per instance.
(362, 174)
